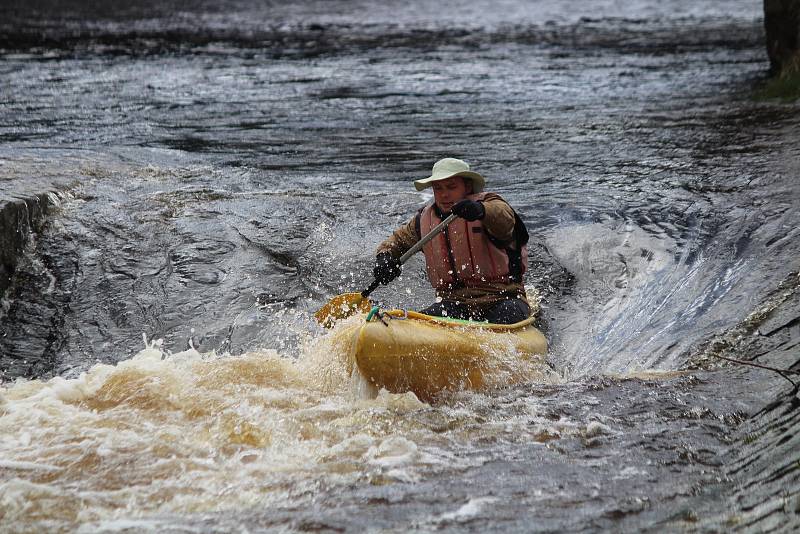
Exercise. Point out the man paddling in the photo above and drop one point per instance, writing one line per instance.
(476, 265)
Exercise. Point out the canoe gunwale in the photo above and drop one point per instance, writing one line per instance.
(457, 323)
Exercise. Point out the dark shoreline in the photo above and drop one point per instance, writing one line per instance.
(53, 41)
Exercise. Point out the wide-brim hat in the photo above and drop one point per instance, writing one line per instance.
(447, 168)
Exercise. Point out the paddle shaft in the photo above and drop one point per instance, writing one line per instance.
(413, 250)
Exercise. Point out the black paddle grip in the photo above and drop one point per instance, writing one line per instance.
(372, 287)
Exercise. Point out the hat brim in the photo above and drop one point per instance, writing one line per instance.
(478, 181)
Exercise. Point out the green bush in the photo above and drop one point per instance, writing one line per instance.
(785, 86)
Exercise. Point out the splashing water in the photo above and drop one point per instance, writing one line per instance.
(182, 433)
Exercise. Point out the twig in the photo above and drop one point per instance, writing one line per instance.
(782, 372)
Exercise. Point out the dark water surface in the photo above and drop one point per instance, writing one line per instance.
(234, 164)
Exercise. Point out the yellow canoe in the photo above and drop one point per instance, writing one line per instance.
(410, 351)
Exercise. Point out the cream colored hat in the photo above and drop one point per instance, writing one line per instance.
(447, 168)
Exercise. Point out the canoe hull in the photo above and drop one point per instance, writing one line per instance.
(426, 356)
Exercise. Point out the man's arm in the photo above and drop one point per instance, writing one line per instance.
(401, 240)
(499, 218)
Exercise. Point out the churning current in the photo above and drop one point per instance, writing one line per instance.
(221, 172)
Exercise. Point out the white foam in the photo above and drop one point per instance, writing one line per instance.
(27, 466)
(201, 432)
(393, 452)
(468, 511)
(132, 525)
(596, 428)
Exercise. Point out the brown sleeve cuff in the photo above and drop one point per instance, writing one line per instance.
(401, 240)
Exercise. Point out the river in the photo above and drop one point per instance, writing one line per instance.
(222, 171)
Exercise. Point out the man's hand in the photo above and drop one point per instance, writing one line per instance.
(386, 268)
(469, 210)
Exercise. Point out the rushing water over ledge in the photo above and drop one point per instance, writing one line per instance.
(222, 173)
(257, 440)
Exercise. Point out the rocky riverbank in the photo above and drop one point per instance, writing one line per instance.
(25, 206)
(761, 488)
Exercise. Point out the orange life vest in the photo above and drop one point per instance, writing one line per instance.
(465, 255)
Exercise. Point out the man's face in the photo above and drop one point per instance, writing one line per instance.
(448, 192)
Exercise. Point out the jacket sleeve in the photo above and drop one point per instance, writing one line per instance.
(401, 240)
(499, 219)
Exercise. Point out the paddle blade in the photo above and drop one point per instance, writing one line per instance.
(340, 307)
